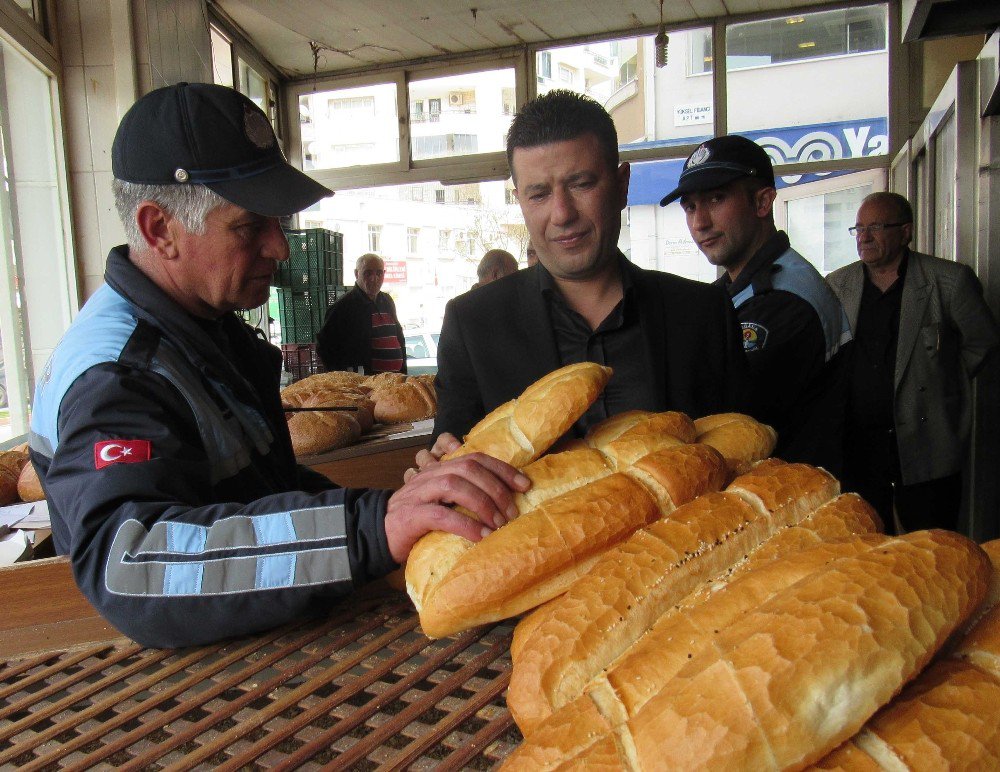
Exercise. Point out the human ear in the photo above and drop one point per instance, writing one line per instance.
(764, 201)
(158, 229)
(624, 173)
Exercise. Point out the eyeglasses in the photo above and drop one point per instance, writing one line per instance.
(877, 227)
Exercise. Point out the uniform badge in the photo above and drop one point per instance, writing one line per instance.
(699, 156)
(754, 336)
(111, 452)
(257, 128)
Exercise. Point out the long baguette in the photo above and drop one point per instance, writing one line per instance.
(521, 430)
(538, 555)
(947, 718)
(560, 648)
(805, 649)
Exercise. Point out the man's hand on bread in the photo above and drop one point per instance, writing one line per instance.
(481, 484)
(444, 444)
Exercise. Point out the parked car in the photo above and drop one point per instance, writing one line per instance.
(421, 351)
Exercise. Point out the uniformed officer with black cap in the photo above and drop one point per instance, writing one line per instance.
(157, 427)
(794, 329)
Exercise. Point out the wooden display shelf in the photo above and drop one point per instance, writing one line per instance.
(359, 688)
(377, 461)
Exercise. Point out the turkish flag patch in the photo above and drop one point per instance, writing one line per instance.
(121, 452)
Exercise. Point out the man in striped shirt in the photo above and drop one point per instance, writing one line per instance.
(361, 329)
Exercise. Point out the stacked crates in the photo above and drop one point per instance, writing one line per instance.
(308, 283)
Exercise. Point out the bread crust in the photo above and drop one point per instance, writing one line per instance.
(580, 633)
(29, 487)
(782, 665)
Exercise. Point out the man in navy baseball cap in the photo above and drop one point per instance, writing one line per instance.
(158, 430)
(204, 134)
(793, 325)
(721, 160)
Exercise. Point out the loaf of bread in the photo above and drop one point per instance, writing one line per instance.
(521, 430)
(11, 464)
(778, 666)
(316, 432)
(538, 555)
(559, 649)
(412, 399)
(29, 487)
(740, 439)
(948, 718)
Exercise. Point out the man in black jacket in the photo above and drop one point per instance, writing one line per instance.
(157, 427)
(361, 329)
(673, 343)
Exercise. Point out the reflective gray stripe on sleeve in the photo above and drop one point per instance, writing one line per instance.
(279, 550)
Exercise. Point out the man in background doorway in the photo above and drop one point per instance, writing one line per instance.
(793, 325)
(922, 332)
(361, 330)
(531, 254)
(495, 264)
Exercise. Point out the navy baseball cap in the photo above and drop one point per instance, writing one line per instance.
(721, 160)
(201, 133)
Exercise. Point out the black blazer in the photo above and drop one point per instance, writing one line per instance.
(497, 340)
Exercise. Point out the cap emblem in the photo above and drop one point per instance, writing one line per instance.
(181, 175)
(257, 128)
(699, 156)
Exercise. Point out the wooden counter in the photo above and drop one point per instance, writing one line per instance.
(360, 688)
(375, 462)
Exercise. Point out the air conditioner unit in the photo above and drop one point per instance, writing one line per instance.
(456, 98)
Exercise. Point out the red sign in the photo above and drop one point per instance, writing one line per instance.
(395, 271)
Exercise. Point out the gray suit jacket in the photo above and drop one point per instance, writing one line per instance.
(946, 332)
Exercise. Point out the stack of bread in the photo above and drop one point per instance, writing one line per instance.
(683, 626)
(388, 398)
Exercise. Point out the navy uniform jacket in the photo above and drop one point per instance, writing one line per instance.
(794, 333)
(171, 479)
(498, 339)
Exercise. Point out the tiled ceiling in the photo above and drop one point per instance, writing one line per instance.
(338, 35)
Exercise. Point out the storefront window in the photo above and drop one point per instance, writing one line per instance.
(349, 127)
(427, 272)
(460, 114)
(651, 106)
(811, 87)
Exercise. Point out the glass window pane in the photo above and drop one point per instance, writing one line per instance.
(651, 106)
(461, 114)
(222, 58)
(811, 87)
(253, 85)
(349, 127)
(431, 243)
(818, 223)
(820, 208)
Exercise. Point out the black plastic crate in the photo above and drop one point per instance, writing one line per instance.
(301, 314)
(300, 360)
(315, 257)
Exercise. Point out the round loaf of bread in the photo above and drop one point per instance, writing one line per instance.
(409, 400)
(316, 432)
(29, 487)
(11, 464)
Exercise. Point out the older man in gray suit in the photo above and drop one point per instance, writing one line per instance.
(922, 332)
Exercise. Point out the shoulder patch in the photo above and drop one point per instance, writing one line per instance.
(754, 336)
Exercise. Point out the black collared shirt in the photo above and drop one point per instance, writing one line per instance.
(619, 342)
(873, 373)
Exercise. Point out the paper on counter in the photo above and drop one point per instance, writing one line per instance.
(25, 514)
(14, 547)
(417, 429)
